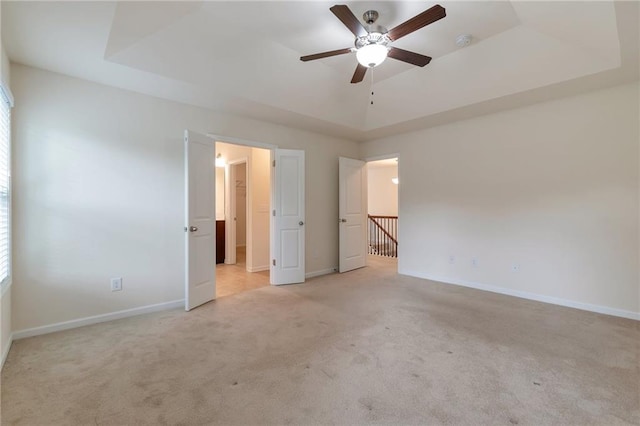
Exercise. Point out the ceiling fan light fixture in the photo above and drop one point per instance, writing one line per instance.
(373, 42)
(372, 55)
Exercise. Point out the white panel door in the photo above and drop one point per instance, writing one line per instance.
(287, 264)
(353, 214)
(200, 284)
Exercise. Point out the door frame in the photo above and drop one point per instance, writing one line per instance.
(272, 154)
(388, 157)
(231, 226)
(384, 157)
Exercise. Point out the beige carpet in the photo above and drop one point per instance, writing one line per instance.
(363, 347)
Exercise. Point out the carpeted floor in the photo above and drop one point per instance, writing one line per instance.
(364, 347)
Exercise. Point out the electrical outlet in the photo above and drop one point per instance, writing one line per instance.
(116, 284)
(452, 259)
(474, 262)
(515, 267)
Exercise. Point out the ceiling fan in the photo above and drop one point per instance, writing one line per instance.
(372, 44)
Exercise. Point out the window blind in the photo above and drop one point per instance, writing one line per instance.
(5, 185)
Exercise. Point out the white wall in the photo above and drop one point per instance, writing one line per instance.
(99, 184)
(219, 193)
(5, 68)
(5, 296)
(551, 188)
(259, 199)
(382, 192)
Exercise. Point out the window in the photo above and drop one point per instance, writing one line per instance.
(5, 186)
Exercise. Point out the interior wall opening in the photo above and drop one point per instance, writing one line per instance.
(243, 192)
(382, 209)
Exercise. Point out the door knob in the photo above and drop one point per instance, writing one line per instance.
(301, 223)
(193, 228)
(342, 220)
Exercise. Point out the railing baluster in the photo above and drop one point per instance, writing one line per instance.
(386, 239)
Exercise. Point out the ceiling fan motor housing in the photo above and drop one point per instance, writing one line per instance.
(376, 35)
(370, 16)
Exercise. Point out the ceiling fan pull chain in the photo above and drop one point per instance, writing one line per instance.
(371, 86)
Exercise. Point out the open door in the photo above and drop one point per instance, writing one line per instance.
(353, 214)
(200, 238)
(287, 252)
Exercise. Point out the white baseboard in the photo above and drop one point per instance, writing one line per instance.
(5, 353)
(530, 296)
(258, 268)
(320, 272)
(80, 322)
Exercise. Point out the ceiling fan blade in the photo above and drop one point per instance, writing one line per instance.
(408, 57)
(422, 20)
(344, 14)
(359, 74)
(325, 54)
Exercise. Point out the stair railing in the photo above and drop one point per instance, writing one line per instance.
(383, 235)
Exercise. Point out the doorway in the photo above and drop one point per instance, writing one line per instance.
(284, 206)
(244, 204)
(382, 208)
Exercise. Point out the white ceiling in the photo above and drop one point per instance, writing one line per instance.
(243, 57)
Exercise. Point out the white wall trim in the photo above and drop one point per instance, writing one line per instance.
(80, 322)
(258, 268)
(6, 351)
(381, 157)
(239, 141)
(530, 296)
(5, 286)
(6, 91)
(320, 272)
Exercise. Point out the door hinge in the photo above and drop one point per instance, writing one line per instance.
(274, 262)
(274, 213)
(274, 163)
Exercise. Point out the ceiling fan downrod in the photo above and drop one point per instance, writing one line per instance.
(370, 16)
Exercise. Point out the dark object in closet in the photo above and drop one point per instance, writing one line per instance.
(219, 241)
